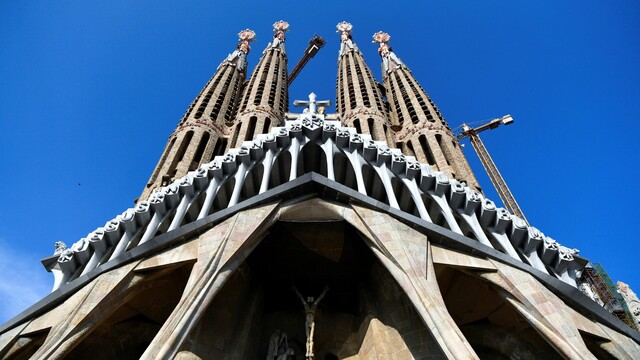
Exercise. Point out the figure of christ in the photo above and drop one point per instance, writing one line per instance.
(310, 307)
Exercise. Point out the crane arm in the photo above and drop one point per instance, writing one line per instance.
(314, 46)
(503, 190)
(490, 167)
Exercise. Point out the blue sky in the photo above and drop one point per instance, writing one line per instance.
(90, 92)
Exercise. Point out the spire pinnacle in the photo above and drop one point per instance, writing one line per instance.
(346, 43)
(279, 28)
(238, 57)
(390, 61)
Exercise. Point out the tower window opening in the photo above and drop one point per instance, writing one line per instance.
(161, 162)
(199, 151)
(445, 151)
(251, 128)
(221, 96)
(361, 85)
(264, 70)
(221, 144)
(356, 124)
(180, 154)
(412, 152)
(426, 150)
(231, 101)
(207, 97)
(236, 133)
(371, 128)
(267, 124)
(274, 84)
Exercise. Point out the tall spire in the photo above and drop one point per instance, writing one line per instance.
(265, 99)
(200, 134)
(358, 99)
(420, 128)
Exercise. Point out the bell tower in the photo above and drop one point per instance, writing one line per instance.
(358, 99)
(200, 135)
(266, 97)
(420, 129)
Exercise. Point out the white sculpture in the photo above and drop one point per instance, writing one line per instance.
(346, 44)
(239, 56)
(390, 61)
(630, 297)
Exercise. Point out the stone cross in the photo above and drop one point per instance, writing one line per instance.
(312, 104)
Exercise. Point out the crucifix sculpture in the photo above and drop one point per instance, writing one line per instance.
(310, 307)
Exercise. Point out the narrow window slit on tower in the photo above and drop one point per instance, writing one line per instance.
(251, 128)
(371, 128)
(427, 151)
(200, 151)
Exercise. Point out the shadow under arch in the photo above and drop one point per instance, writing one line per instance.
(25, 345)
(373, 184)
(312, 159)
(252, 181)
(492, 326)
(403, 196)
(435, 212)
(137, 316)
(280, 170)
(223, 196)
(363, 302)
(343, 171)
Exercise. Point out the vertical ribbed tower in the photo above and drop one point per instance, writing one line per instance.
(200, 134)
(420, 128)
(266, 97)
(358, 99)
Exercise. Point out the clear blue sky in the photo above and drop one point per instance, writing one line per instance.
(90, 92)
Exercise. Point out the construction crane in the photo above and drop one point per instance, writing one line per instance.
(492, 170)
(314, 45)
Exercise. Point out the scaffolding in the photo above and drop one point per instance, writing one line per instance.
(603, 286)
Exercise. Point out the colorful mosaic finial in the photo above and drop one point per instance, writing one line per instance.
(247, 35)
(381, 37)
(239, 56)
(344, 28)
(346, 44)
(279, 28)
(390, 61)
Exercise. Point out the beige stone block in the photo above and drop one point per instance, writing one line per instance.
(8, 338)
(183, 253)
(312, 210)
(454, 258)
(544, 311)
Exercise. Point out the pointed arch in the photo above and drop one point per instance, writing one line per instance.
(373, 184)
(221, 201)
(252, 181)
(313, 159)
(344, 173)
(280, 170)
(403, 195)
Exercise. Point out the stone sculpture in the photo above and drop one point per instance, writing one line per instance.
(310, 307)
(279, 347)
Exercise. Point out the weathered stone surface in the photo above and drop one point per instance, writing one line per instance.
(407, 264)
(541, 308)
(232, 240)
(454, 258)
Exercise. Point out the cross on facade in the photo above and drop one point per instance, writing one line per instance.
(312, 104)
